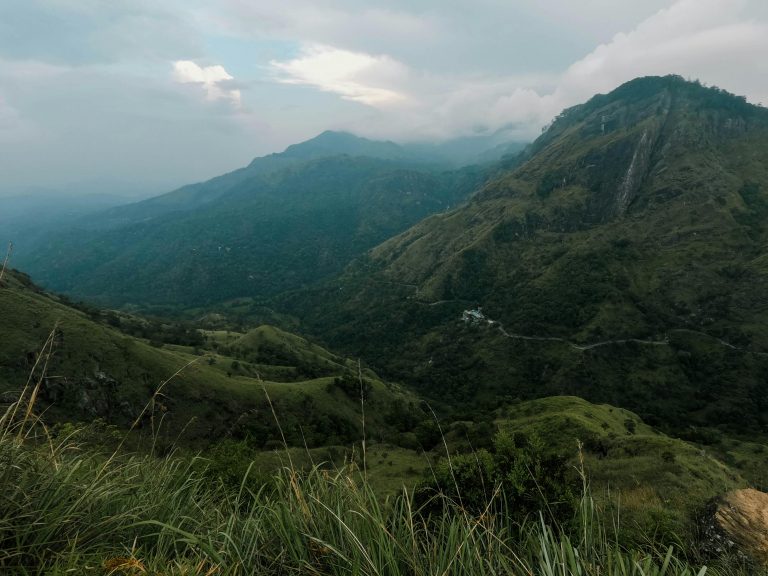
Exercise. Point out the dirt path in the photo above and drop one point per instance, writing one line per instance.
(644, 342)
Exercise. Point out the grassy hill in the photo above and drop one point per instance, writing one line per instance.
(623, 261)
(218, 394)
(96, 371)
(178, 521)
(644, 471)
(654, 482)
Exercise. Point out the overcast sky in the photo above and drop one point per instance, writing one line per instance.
(142, 95)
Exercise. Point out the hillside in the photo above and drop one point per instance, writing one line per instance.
(284, 222)
(658, 483)
(208, 392)
(624, 262)
(211, 395)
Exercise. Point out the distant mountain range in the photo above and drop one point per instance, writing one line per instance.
(283, 222)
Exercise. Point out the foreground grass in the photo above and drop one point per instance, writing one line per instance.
(71, 508)
(66, 510)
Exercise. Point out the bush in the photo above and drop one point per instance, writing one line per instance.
(517, 472)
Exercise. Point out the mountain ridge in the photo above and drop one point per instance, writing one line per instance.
(635, 214)
(289, 222)
(218, 385)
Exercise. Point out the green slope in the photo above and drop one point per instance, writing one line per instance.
(620, 449)
(218, 401)
(98, 372)
(649, 481)
(624, 262)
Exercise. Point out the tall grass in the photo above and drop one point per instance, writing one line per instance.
(5, 261)
(69, 510)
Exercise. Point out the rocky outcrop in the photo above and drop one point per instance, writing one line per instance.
(635, 173)
(87, 397)
(737, 523)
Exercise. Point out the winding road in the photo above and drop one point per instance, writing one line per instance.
(584, 347)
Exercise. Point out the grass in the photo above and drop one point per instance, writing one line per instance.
(98, 371)
(71, 509)
(657, 482)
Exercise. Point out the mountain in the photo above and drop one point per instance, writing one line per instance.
(194, 196)
(330, 143)
(29, 215)
(283, 222)
(451, 153)
(207, 389)
(622, 261)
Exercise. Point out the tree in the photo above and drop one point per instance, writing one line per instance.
(517, 477)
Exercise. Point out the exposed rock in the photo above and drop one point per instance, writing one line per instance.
(737, 522)
(86, 397)
(635, 173)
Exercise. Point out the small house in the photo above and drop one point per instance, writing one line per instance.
(473, 316)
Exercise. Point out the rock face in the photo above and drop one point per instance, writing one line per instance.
(740, 520)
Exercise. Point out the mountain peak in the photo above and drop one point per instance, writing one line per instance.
(650, 105)
(640, 91)
(692, 90)
(333, 143)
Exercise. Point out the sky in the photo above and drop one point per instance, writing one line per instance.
(140, 96)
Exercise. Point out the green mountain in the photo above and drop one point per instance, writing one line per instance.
(219, 388)
(623, 261)
(283, 222)
(193, 196)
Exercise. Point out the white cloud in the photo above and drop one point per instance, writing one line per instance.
(10, 120)
(705, 39)
(354, 76)
(456, 36)
(213, 80)
(16, 128)
(709, 40)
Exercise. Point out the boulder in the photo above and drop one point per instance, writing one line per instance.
(737, 522)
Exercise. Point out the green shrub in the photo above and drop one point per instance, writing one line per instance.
(517, 472)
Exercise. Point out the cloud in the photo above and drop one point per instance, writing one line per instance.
(87, 32)
(91, 87)
(354, 76)
(85, 123)
(709, 40)
(11, 124)
(705, 39)
(459, 36)
(213, 79)
(367, 26)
